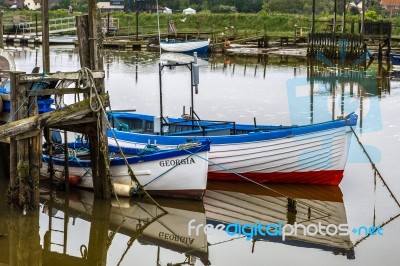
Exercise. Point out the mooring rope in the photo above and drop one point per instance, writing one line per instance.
(87, 73)
(374, 167)
(259, 184)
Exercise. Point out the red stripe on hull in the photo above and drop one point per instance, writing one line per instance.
(325, 177)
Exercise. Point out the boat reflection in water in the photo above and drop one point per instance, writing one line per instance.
(145, 225)
(247, 203)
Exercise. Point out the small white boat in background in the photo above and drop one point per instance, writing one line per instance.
(199, 46)
(179, 172)
(61, 39)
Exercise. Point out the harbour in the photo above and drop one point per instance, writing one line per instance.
(246, 154)
(365, 198)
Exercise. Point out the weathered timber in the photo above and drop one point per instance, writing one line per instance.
(71, 112)
(58, 76)
(45, 36)
(99, 142)
(82, 27)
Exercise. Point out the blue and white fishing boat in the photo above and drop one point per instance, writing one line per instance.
(309, 154)
(199, 46)
(178, 172)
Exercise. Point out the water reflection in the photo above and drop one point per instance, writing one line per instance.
(251, 204)
(139, 221)
(276, 90)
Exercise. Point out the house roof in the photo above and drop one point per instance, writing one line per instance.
(107, 5)
(390, 2)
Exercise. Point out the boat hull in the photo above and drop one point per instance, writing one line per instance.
(314, 154)
(181, 174)
(395, 59)
(186, 47)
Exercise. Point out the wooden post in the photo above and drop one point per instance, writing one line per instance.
(25, 152)
(1, 30)
(35, 153)
(362, 19)
(344, 17)
(137, 25)
(45, 35)
(98, 142)
(334, 17)
(82, 27)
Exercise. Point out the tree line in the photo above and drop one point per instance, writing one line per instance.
(303, 7)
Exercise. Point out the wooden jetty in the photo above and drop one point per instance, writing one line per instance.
(336, 41)
(24, 128)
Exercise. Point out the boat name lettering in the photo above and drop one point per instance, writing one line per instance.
(175, 162)
(176, 238)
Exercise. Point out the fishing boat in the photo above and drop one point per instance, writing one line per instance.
(178, 172)
(395, 59)
(309, 154)
(229, 203)
(176, 46)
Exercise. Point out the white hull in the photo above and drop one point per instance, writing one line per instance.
(182, 47)
(295, 159)
(161, 177)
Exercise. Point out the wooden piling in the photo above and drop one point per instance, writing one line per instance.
(25, 130)
(1, 30)
(45, 36)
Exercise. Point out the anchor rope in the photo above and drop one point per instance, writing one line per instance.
(374, 167)
(87, 74)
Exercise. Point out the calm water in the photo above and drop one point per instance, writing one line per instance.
(272, 89)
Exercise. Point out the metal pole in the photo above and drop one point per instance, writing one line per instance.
(191, 85)
(161, 101)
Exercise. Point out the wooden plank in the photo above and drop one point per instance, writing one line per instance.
(72, 112)
(58, 91)
(76, 122)
(27, 135)
(5, 140)
(58, 76)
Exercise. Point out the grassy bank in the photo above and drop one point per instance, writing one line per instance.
(219, 24)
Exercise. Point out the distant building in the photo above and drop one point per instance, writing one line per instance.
(189, 11)
(393, 6)
(16, 3)
(107, 6)
(167, 10)
(32, 4)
